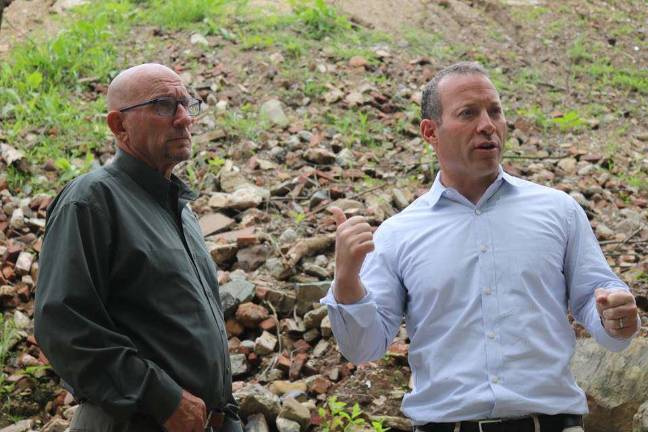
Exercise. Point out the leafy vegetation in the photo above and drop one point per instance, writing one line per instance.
(336, 417)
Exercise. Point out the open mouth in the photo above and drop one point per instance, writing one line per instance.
(487, 146)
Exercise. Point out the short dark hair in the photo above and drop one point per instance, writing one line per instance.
(431, 108)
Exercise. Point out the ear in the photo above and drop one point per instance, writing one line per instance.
(429, 131)
(116, 125)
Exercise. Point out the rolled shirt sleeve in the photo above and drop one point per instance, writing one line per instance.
(585, 270)
(75, 330)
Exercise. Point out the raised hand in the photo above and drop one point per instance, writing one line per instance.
(353, 241)
(618, 312)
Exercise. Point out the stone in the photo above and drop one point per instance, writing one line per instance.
(256, 399)
(57, 424)
(568, 165)
(232, 179)
(271, 110)
(315, 270)
(292, 409)
(265, 344)
(317, 198)
(282, 387)
(24, 263)
(222, 253)
(288, 236)
(281, 299)
(198, 39)
(21, 426)
(275, 266)
(358, 61)
(63, 5)
(345, 158)
(233, 328)
(313, 318)
(214, 223)
(234, 293)
(354, 98)
(603, 232)
(21, 321)
(319, 385)
(311, 335)
(347, 205)
(308, 293)
(640, 419)
(239, 365)
(319, 156)
(251, 314)
(616, 384)
(17, 220)
(241, 199)
(250, 259)
(69, 412)
(256, 423)
(333, 96)
(325, 327)
(285, 425)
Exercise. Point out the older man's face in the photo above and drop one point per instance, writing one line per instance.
(470, 138)
(159, 141)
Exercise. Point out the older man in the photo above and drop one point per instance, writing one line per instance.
(484, 267)
(127, 305)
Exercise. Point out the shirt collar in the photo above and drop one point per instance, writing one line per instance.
(438, 189)
(161, 188)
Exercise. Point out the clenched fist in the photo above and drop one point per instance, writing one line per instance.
(618, 312)
(189, 416)
(353, 241)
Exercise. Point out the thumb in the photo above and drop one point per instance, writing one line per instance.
(601, 295)
(338, 214)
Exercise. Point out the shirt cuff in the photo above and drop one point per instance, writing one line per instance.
(161, 397)
(611, 343)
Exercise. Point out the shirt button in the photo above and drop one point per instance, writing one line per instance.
(491, 335)
(488, 291)
(478, 212)
(483, 248)
(494, 379)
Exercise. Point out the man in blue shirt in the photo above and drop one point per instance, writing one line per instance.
(484, 268)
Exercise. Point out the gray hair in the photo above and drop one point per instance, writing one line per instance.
(431, 108)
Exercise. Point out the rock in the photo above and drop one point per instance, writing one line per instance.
(234, 293)
(265, 344)
(256, 423)
(21, 321)
(256, 399)
(21, 426)
(293, 410)
(233, 328)
(321, 348)
(272, 111)
(358, 61)
(239, 365)
(250, 259)
(394, 422)
(333, 96)
(198, 39)
(313, 319)
(580, 198)
(241, 199)
(282, 300)
(215, 222)
(64, 5)
(347, 205)
(57, 424)
(616, 384)
(10, 154)
(288, 236)
(285, 425)
(276, 58)
(603, 232)
(251, 314)
(400, 201)
(319, 385)
(640, 419)
(222, 253)
(568, 165)
(325, 327)
(354, 98)
(23, 263)
(282, 387)
(308, 293)
(69, 412)
(275, 266)
(345, 158)
(232, 180)
(17, 219)
(319, 156)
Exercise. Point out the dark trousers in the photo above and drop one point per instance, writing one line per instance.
(91, 418)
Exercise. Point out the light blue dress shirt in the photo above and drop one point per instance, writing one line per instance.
(485, 290)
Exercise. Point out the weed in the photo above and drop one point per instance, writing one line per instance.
(8, 337)
(569, 121)
(337, 418)
(579, 52)
(176, 14)
(318, 18)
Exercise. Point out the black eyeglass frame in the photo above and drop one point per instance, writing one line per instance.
(190, 102)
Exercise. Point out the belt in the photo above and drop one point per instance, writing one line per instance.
(548, 423)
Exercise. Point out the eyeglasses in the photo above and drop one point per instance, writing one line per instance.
(167, 106)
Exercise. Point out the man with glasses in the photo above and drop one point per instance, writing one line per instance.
(484, 268)
(127, 306)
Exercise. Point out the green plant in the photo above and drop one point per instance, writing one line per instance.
(570, 121)
(336, 417)
(8, 337)
(184, 13)
(318, 18)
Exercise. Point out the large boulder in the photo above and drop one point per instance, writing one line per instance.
(616, 384)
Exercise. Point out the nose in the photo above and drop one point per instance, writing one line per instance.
(182, 118)
(485, 125)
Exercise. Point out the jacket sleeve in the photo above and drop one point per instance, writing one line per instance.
(75, 330)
